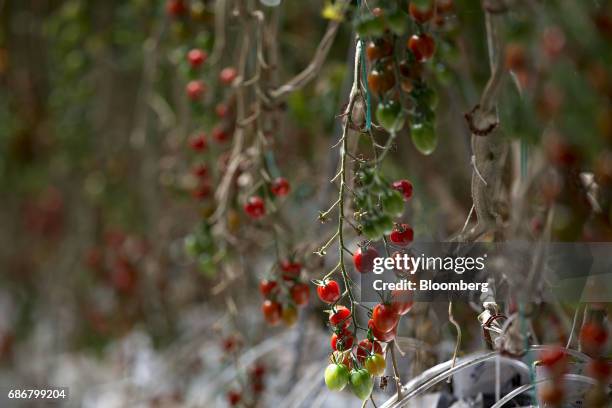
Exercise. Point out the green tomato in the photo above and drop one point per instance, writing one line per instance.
(370, 230)
(393, 203)
(192, 246)
(424, 137)
(390, 116)
(336, 377)
(366, 175)
(206, 265)
(375, 364)
(384, 225)
(370, 27)
(398, 22)
(361, 383)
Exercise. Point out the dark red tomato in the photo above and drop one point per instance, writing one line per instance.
(234, 398)
(258, 386)
(199, 170)
(341, 317)
(198, 142)
(378, 49)
(300, 293)
(220, 135)
(422, 46)
(195, 89)
(267, 287)
(201, 191)
(291, 270)
(342, 341)
(600, 370)
(196, 57)
(329, 291)
(230, 344)
(367, 347)
(384, 337)
(124, 275)
(258, 370)
(444, 6)
(421, 14)
(401, 301)
(272, 311)
(384, 317)
(175, 8)
(402, 235)
(228, 75)
(363, 258)
(280, 187)
(255, 207)
(404, 187)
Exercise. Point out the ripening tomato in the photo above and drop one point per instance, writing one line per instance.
(336, 377)
(379, 48)
(340, 317)
(375, 364)
(289, 315)
(421, 11)
(363, 258)
(195, 89)
(422, 46)
(255, 207)
(402, 235)
(329, 291)
(300, 293)
(280, 187)
(361, 383)
(272, 311)
(401, 301)
(228, 75)
(384, 337)
(267, 287)
(380, 80)
(404, 187)
(384, 317)
(196, 57)
(367, 347)
(515, 57)
(593, 337)
(342, 341)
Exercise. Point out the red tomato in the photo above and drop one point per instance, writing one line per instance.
(267, 287)
(366, 347)
(421, 14)
(593, 338)
(401, 301)
(384, 317)
(196, 57)
(342, 341)
(363, 258)
(280, 187)
(227, 75)
(272, 311)
(384, 337)
(422, 46)
(234, 398)
(404, 187)
(291, 270)
(329, 291)
(255, 207)
(175, 8)
(198, 142)
(300, 292)
(220, 135)
(195, 89)
(600, 370)
(341, 317)
(402, 235)
(555, 360)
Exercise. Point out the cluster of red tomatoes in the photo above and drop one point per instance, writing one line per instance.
(255, 206)
(249, 392)
(284, 294)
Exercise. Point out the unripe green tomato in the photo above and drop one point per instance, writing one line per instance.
(390, 116)
(361, 383)
(376, 364)
(206, 265)
(398, 22)
(366, 175)
(424, 137)
(336, 377)
(393, 203)
(370, 27)
(370, 230)
(192, 246)
(384, 225)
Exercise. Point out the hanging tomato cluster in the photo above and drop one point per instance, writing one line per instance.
(247, 391)
(284, 293)
(404, 96)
